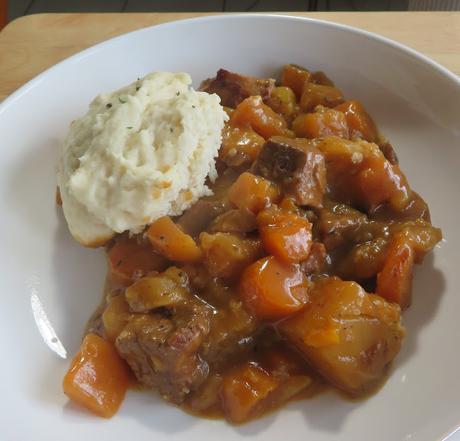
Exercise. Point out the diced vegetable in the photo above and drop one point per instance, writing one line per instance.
(253, 113)
(324, 122)
(226, 255)
(115, 317)
(283, 101)
(421, 236)
(253, 193)
(359, 121)
(321, 78)
(170, 241)
(272, 290)
(97, 378)
(394, 282)
(295, 77)
(129, 260)
(358, 172)
(155, 291)
(364, 260)
(317, 94)
(285, 235)
(244, 390)
(234, 221)
(240, 145)
(349, 336)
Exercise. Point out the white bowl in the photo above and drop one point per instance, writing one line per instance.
(50, 282)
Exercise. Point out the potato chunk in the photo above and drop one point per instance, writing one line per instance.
(349, 336)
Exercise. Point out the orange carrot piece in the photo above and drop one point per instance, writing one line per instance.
(170, 241)
(97, 378)
(252, 112)
(129, 260)
(253, 193)
(272, 290)
(359, 121)
(295, 77)
(316, 94)
(327, 122)
(394, 282)
(244, 390)
(285, 235)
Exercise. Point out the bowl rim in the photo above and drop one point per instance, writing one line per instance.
(414, 54)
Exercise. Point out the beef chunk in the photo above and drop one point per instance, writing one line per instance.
(388, 151)
(234, 88)
(297, 166)
(162, 348)
(200, 215)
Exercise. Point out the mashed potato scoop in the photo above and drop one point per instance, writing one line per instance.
(139, 153)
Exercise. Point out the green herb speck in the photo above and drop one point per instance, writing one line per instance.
(108, 105)
(177, 93)
(193, 106)
(129, 127)
(122, 101)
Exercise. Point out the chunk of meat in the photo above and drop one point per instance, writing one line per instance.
(317, 259)
(389, 152)
(198, 217)
(234, 221)
(349, 336)
(272, 290)
(337, 223)
(225, 255)
(323, 122)
(162, 348)
(234, 88)
(297, 166)
(253, 113)
(364, 260)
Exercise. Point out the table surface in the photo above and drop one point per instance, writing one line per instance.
(33, 43)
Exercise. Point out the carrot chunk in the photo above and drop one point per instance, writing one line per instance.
(272, 290)
(253, 193)
(252, 112)
(394, 282)
(285, 235)
(326, 122)
(170, 241)
(244, 390)
(129, 260)
(97, 378)
(359, 121)
(317, 94)
(295, 77)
